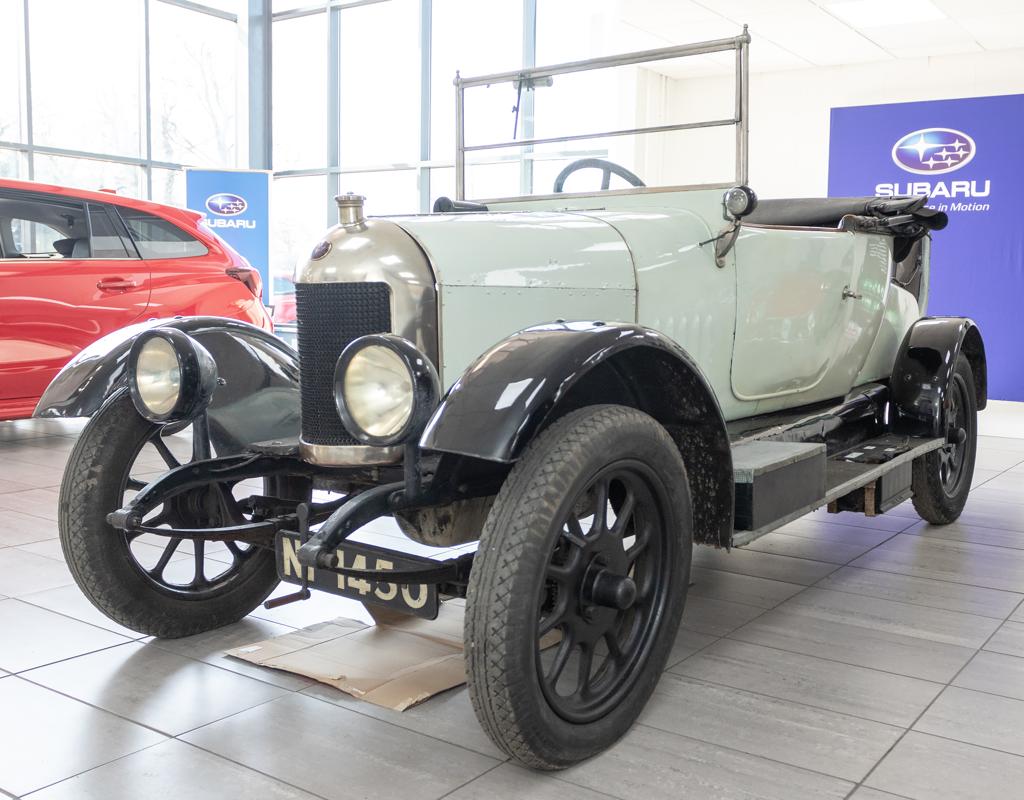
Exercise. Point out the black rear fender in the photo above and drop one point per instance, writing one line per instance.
(924, 367)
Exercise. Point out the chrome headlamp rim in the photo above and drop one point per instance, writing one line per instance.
(197, 376)
(739, 201)
(426, 388)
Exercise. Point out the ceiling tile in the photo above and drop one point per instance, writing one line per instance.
(997, 32)
(968, 9)
(925, 34)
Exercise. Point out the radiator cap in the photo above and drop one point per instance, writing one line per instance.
(350, 209)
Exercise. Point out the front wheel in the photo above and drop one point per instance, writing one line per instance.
(578, 586)
(159, 585)
(942, 478)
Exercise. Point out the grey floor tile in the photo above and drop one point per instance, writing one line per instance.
(976, 718)
(716, 617)
(995, 458)
(33, 636)
(211, 646)
(69, 601)
(962, 532)
(812, 738)
(1006, 443)
(995, 673)
(1018, 615)
(732, 586)
(21, 528)
(966, 630)
(1009, 639)
(932, 768)
(56, 737)
(353, 753)
(856, 644)
(686, 644)
(50, 548)
(883, 522)
(814, 527)
(923, 591)
(22, 573)
(40, 503)
(858, 691)
(812, 548)
(172, 769)
(960, 562)
(867, 793)
(656, 765)
(983, 476)
(508, 781)
(762, 565)
(154, 687)
(447, 716)
(987, 514)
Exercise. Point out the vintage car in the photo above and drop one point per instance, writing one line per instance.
(586, 384)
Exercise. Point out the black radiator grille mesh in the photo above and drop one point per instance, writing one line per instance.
(330, 315)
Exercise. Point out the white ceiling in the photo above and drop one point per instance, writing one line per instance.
(795, 34)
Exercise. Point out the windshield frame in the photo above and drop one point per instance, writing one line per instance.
(539, 76)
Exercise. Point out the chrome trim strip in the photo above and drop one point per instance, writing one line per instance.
(348, 455)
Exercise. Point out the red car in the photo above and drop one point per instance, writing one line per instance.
(76, 265)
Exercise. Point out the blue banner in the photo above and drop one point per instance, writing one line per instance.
(236, 206)
(966, 155)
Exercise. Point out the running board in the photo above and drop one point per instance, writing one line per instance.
(778, 482)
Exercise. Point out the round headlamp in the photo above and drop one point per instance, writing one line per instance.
(171, 377)
(739, 201)
(385, 389)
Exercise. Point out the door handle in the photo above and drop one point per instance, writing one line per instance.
(113, 284)
(849, 294)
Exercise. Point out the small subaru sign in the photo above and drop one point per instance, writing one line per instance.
(933, 151)
(226, 205)
(235, 205)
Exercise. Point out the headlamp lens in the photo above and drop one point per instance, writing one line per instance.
(378, 391)
(158, 376)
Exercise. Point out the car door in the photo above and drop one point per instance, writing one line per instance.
(68, 275)
(808, 304)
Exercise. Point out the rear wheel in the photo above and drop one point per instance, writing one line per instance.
(942, 478)
(162, 586)
(578, 586)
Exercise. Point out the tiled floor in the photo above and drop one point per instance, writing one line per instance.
(840, 657)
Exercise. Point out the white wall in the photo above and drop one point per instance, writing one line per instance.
(789, 111)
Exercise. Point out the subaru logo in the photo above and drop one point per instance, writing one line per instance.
(933, 151)
(227, 205)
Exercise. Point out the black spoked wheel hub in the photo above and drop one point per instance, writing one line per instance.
(604, 592)
(953, 455)
(209, 570)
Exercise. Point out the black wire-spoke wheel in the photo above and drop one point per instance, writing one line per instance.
(942, 478)
(192, 568)
(158, 584)
(578, 586)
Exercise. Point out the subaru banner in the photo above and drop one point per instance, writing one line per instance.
(967, 156)
(235, 205)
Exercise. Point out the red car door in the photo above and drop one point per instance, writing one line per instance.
(68, 275)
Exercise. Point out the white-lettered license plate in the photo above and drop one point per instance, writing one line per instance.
(411, 598)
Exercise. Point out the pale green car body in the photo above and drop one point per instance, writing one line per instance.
(771, 329)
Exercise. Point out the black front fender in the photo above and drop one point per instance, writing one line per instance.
(924, 366)
(257, 397)
(525, 382)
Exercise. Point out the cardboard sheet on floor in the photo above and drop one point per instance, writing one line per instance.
(396, 663)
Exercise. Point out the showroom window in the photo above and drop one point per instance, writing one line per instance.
(83, 122)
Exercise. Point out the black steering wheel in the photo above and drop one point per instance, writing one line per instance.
(607, 168)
